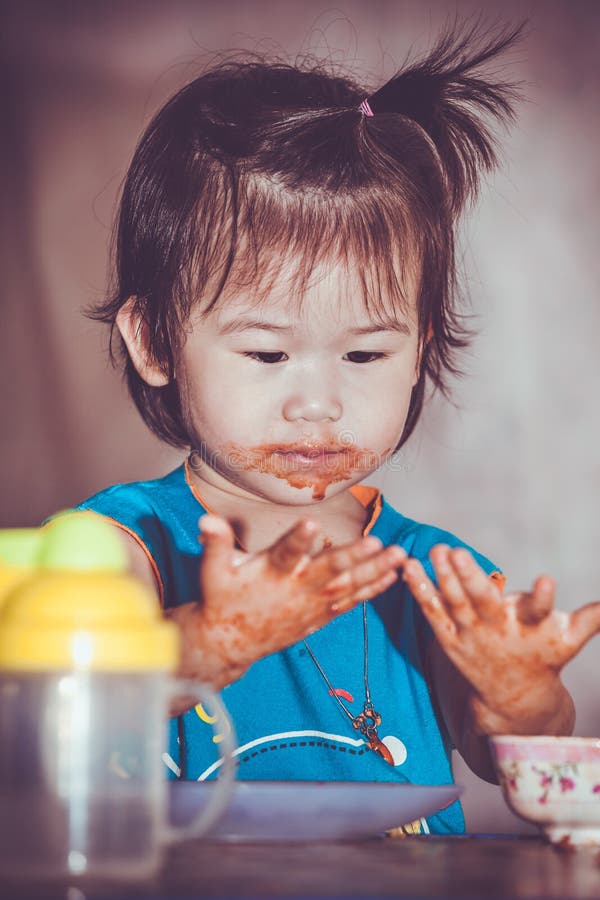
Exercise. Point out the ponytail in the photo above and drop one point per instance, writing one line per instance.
(447, 95)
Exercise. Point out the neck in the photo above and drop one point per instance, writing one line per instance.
(258, 523)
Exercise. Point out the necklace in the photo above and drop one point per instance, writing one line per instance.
(369, 720)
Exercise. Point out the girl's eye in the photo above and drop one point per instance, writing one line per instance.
(265, 357)
(364, 356)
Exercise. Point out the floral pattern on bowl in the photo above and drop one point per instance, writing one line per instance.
(553, 782)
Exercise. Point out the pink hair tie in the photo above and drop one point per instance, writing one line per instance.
(365, 109)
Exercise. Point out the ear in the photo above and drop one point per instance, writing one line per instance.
(134, 332)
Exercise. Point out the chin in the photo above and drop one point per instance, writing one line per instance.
(284, 494)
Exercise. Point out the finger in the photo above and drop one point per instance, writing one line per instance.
(450, 588)
(329, 563)
(367, 592)
(584, 623)
(292, 547)
(218, 539)
(362, 574)
(481, 594)
(428, 598)
(532, 608)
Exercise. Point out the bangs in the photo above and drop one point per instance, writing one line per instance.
(276, 239)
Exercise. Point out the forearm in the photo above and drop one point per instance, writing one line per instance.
(471, 719)
(547, 710)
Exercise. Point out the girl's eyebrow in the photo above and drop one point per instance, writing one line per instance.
(394, 325)
(237, 325)
(240, 325)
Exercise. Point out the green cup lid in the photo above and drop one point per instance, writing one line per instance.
(82, 541)
(20, 546)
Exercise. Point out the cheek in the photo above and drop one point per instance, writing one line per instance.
(386, 411)
(390, 393)
(377, 426)
(220, 408)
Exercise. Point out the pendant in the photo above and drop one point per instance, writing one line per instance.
(367, 722)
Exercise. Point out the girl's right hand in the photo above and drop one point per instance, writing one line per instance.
(255, 604)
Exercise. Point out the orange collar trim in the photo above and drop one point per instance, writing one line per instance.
(372, 500)
(194, 490)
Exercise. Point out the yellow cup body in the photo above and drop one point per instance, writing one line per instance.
(10, 577)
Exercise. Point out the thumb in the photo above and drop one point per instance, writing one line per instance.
(218, 540)
(584, 624)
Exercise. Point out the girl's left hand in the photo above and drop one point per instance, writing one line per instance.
(511, 647)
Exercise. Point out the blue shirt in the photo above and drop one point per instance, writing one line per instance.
(287, 723)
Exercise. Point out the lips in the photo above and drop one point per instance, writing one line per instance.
(321, 458)
(311, 456)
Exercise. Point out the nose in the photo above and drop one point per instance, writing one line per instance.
(317, 405)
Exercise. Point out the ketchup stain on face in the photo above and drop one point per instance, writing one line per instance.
(313, 464)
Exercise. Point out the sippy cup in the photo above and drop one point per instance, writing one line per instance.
(85, 684)
(19, 548)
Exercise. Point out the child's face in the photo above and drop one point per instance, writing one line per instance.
(291, 404)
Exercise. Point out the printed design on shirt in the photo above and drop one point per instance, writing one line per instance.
(119, 766)
(291, 740)
(171, 764)
(307, 738)
(396, 747)
(286, 739)
(212, 720)
(340, 692)
(124, 760)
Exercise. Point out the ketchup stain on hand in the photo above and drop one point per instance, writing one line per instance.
(314, 464)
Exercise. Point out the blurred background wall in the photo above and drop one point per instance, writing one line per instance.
(513, 469)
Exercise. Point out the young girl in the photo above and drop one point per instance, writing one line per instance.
(285, 293)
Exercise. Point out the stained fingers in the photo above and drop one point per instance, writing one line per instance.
(292, 548)
(218, 540)
(479, 591)
(363, 576)
(451, 588)
(464, 593)
(533, 608)
(367, 592)
(428, 597)
(328, 564)
(583, 624)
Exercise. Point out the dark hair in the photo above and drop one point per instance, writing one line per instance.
(254, 162)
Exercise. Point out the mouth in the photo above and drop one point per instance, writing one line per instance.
(323, 461)
(312, 456)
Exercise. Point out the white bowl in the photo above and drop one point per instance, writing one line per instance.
(553, 782)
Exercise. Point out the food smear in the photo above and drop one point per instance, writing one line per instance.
(313, 464)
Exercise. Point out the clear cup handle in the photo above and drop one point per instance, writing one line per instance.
(221, 789)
